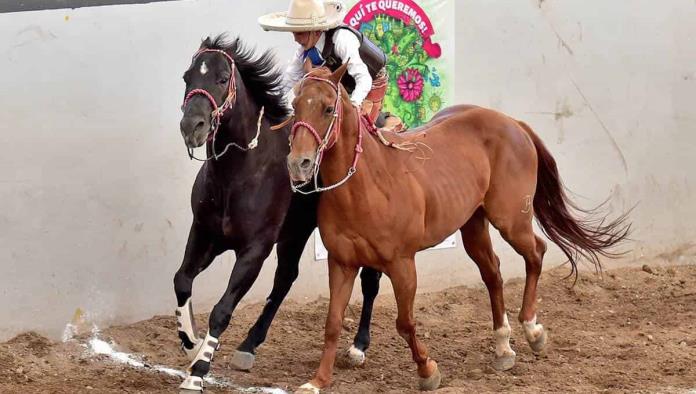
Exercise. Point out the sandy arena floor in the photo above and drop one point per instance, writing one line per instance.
(632, 331)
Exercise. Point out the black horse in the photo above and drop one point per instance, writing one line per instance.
(241, 199)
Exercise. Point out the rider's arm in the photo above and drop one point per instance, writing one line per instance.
(293, 74)
(347, 48)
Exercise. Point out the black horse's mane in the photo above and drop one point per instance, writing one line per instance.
(259, 74)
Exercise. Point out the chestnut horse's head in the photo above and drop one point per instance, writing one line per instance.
(318, 109)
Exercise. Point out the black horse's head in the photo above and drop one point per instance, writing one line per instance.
(210, 90)
(219, 70)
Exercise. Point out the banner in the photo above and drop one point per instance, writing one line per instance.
(418, 39)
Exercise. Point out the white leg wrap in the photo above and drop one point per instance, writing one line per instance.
(356, 356)
(532, 330)
(309, 388)
(206, 351)
(192, 383)
(207, 348)
(502, 339)
(186, 324)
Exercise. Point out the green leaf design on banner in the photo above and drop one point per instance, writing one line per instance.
(416, 87)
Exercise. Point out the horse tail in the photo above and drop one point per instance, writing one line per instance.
(578, 232)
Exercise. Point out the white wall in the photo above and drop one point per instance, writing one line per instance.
(610, 86)
(95, 182)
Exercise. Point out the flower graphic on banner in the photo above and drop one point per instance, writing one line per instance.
(404, 31)
(410, 84)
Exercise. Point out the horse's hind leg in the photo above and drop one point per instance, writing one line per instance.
(296, 231)
(532, 248)
(370, 287)
(514, 221)
(477, 242)
(200, 252)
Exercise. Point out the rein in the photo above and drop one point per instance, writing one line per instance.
(219, 111)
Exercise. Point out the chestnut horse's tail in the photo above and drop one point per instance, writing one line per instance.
(589, 237)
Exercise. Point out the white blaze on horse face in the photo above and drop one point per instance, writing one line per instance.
(204, 68)
(502, 338)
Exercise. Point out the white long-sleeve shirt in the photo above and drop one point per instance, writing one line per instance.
(346, 48)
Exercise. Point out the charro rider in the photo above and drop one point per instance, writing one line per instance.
(325, 41)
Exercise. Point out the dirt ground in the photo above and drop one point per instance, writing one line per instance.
(632, 331)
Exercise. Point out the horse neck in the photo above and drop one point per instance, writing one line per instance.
(239, 126)
(340, 157)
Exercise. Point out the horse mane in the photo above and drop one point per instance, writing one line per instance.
(263, 80)
(321, 71)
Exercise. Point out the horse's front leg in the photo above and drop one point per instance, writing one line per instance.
(341, 279)
(404, 281)
(290, 247)
(246, 270)
(369, 279)
(201, 250)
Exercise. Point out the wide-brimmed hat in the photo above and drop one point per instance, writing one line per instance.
(306, 15)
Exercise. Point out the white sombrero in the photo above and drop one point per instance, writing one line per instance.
(306, 15)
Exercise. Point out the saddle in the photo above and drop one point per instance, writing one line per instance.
(387, 121)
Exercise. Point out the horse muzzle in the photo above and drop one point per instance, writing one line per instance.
(195, 130)
(300, 168)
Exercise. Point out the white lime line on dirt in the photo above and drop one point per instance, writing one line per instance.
(81, 323)
(101, 347)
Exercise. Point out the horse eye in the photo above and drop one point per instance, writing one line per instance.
(223, 81)
(329, 110)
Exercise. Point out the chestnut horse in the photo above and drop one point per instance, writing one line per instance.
(383, 205)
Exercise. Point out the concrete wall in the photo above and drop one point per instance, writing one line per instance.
(94, 181)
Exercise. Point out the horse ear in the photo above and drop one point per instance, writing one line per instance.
(338, 74)
(205, 43)
(307, 66)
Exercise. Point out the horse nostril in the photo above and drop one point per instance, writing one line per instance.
(306, 164)
(192, 124)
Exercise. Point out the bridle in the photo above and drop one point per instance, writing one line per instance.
(326, 143)
(219, 111)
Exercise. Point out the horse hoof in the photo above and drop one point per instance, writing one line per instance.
(355, 357)
(431, 383)
(504, 362)
(539, 344)
(242, 361)
(307, 388)
(192, 384)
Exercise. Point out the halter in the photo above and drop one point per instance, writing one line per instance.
(219, 111)
(324, 144)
